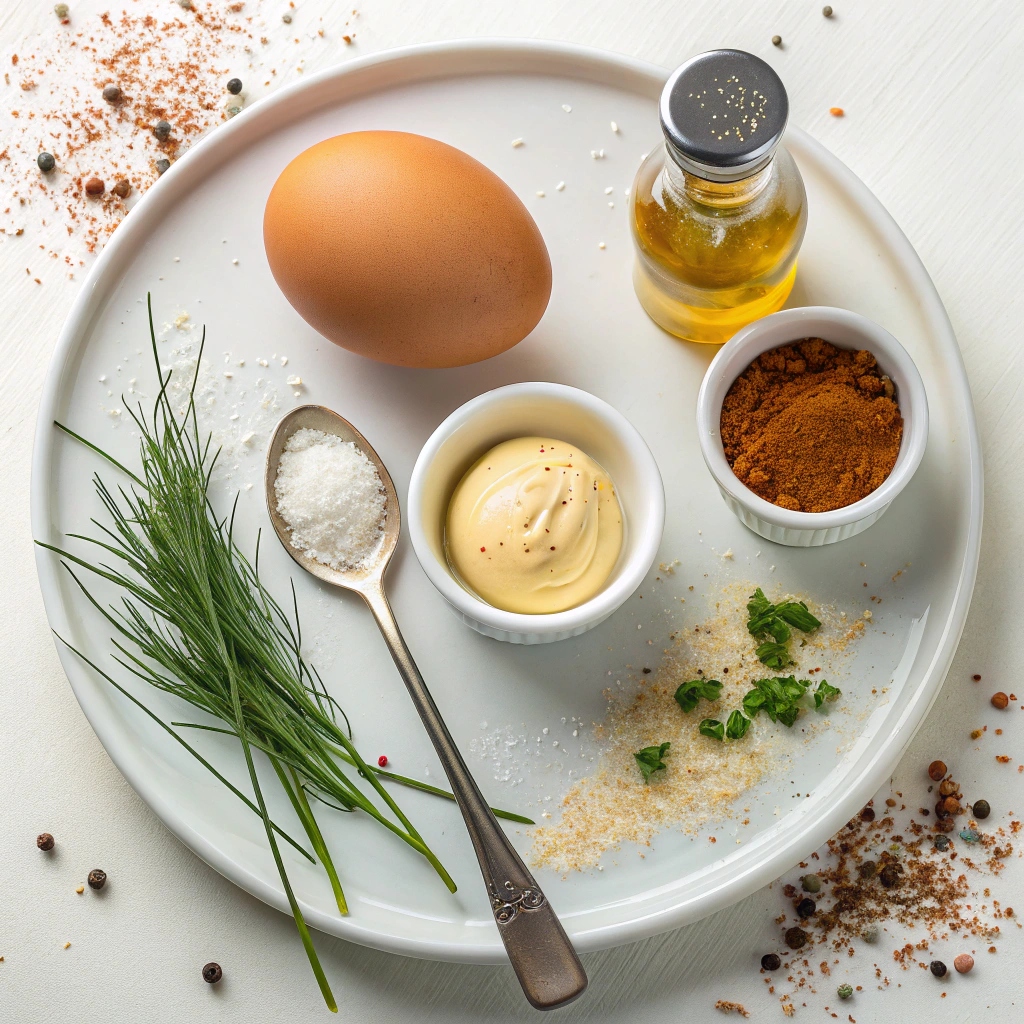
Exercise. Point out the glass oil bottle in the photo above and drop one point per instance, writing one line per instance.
(719, 209)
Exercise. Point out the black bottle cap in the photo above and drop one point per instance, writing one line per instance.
(723, 113)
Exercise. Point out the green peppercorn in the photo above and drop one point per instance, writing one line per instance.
(771, 961)
(870, 934)
(827, 11)
(162, 130)
(62, 11)
(286, 18)
(844, 991)
(811, 883)
(796, 938)
(938, 968)
(776, 40)
(46, 162)
(163, 165)
(212, 973)
(981, 809)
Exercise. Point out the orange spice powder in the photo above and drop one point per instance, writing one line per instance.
(812, 427)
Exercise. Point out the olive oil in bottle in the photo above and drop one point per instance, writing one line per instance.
(719, 209)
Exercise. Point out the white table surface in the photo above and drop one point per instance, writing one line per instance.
(932, 93)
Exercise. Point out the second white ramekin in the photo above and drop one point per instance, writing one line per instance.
(844, 329)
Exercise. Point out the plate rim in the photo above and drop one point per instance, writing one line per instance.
(805, 833)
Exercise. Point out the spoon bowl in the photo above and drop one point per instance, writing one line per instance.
(317, 417)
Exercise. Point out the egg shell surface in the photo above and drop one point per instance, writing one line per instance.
(406, 250)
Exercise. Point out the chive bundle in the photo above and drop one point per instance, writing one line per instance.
(195, 621)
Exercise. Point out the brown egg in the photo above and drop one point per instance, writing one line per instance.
(406, 250)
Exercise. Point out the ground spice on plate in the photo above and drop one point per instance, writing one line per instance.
(812, 427)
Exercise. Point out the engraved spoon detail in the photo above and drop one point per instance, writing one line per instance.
(541, 954)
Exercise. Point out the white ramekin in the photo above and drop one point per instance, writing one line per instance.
(845, 330)
(546, 410)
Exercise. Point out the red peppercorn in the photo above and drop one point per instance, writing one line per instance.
(1000, 700)
(382, 761)
(95, 187)
(937, 771)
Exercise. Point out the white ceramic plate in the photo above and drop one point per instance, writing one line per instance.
(180, 243)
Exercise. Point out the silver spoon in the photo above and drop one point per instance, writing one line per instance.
(541, 954)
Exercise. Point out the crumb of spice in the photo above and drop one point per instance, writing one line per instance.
(963, 963)
(97, 878)
(80, 889)
(67, 945)
(1000, 700)
(727, 1006)
(44, 841)
(840, 407)
(837, 111)
(212, 973)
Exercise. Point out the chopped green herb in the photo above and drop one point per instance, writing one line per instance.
(711, 727)
(737, 726)
(825, 693)
(689, 694)
(649, 760)
(797, 615)
(778, 697)
(770, 624)
(773, 655)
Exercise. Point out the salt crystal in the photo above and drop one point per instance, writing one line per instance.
(560, 187)
(516, 143)
(567, 108)
(615, 128)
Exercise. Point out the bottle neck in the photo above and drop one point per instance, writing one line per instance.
(718, 194)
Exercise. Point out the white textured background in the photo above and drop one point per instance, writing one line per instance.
(933, 93)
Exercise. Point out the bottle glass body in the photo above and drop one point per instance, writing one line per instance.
(714, 256)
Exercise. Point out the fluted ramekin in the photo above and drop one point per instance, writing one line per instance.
(843, 329)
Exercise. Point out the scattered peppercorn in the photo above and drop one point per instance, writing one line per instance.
(867, 814)
(771, 962)
(162, 130)
(46, 162)
(185, 5)
(122, 188)
(827, 11)
(61, 10)
(889, 876)
(963, 963)
(837, 111)
(234, 86)
(44, 841)
(95, 187)
(382, 761)
(941, 843)
(811, 883)
(796, 938)
(844, 991)
(951, 806)
(938, 968)
(976, 677)
(1000, 700)
(868, 869)
(870, 934)
(97, 879)
(981, 809)
(162, 165)
(776, 40)
(937, 771)
(806, 907)
(286, 18)
(111, 93)
(212, 973)
(948, 788)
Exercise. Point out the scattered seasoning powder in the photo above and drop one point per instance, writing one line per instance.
(706, 778)
(331, 496)
(812, 427)
(728, 1006)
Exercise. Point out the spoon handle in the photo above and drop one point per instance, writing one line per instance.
(542, 956)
